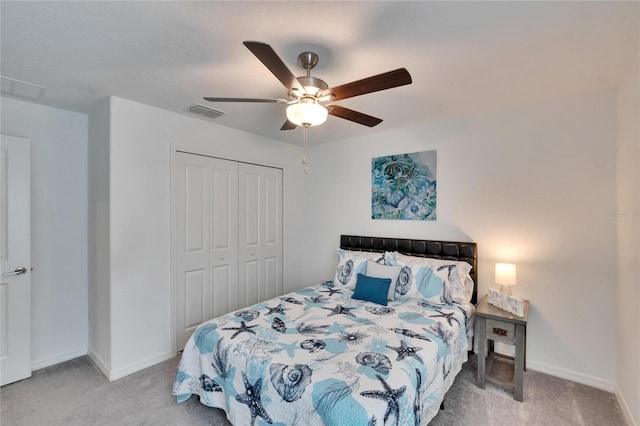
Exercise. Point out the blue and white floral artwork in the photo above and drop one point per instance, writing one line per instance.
(404, 186)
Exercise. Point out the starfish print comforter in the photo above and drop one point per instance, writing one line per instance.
(318, 357)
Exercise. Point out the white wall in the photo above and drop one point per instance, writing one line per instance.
(530, 185)
(140, 146)
(58, 226)
(98, 236)
(628, 222)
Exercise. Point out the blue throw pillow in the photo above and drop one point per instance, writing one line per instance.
(372, 289)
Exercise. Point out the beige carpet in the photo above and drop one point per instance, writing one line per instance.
(76, 393)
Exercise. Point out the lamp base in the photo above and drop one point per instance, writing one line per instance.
(506, 289)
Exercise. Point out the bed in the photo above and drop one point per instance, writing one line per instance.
(327, 355)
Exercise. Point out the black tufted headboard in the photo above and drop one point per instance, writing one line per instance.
(450, 250)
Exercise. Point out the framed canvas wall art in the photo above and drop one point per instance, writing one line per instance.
(403, 186)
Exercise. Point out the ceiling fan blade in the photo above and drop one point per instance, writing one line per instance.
(264, 101)
(288, 125)
(272, 61)
(355, 116)
(375, 83)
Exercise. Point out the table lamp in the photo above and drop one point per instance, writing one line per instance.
(505, 276)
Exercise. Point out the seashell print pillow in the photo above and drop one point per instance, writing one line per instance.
(435, 281)
(350, 264)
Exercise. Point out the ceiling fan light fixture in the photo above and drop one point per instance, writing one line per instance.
(311, 90)
(307, 113)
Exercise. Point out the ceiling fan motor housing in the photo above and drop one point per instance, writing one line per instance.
(313, 86)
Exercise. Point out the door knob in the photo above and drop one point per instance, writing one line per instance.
(18, 271)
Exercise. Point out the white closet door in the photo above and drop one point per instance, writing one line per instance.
(206, 198)
(228, 238)
(224, 237)
(260, 272)
(192, 185)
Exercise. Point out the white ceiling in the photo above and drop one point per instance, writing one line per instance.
(464, 57)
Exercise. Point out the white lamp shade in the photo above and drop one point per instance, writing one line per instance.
(505, 274)
(306, 114)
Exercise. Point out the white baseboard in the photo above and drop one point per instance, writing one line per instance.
(99, 362)
(118, 373)
(574, 376)
(57, 359)
(625, 408)
(121, 372)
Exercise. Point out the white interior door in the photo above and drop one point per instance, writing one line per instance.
(260, 273)
(15, 248)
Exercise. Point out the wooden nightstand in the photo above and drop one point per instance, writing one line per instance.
(492, 323)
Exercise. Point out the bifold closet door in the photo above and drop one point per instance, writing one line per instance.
(224, 236)
(205, 194)
(260, 231)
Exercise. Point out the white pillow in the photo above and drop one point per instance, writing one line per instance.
(377, 270)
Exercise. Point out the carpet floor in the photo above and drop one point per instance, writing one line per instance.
(76, 393)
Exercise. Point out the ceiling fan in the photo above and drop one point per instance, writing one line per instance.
(308, 95)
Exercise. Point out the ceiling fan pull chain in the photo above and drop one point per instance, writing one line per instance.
(304, 149)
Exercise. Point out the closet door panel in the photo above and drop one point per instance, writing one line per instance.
(273, 246)
(251, 209)
(272, 276)
(191, 198)
(223, 299)
(224, 200)
(272, 210)
(251, 282)
(260, 238)
(224, 236)
(195, 285)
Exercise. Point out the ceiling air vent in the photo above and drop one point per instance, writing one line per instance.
(204, 111)
(21, 89)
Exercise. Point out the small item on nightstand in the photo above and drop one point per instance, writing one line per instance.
(505, 302)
